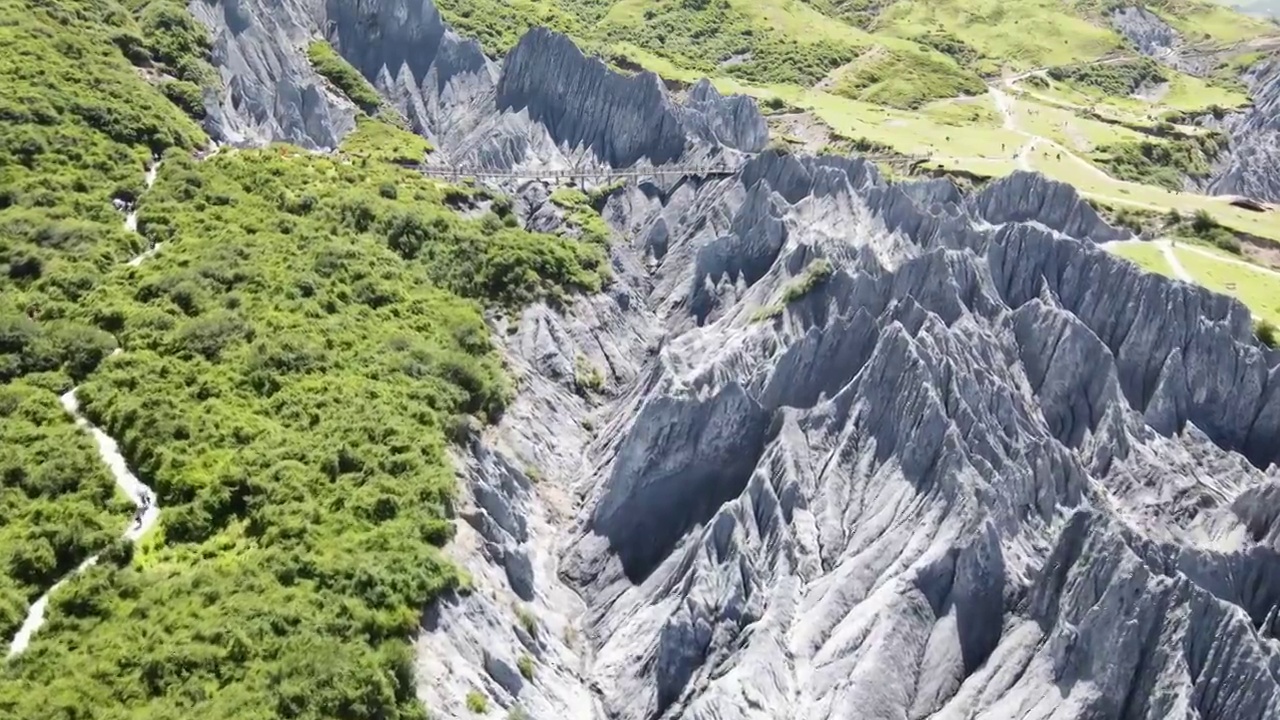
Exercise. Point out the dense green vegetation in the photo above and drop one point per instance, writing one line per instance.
(1165, 163)
(499, 24)
(905, 79)
(860, 13)
(1116, 79)
(950, 45)
(714, 36)
(333, 68)
(58, 505)
(295, 362)
(172, 41)
(77, 127)
(711, 37)
(295, 359)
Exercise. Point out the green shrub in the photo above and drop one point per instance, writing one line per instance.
(1129, 218)
(816, 273)
(1202, 223)
(587, 378)
(1266, 332)
(1205, 228)
(569, 198)
(1115, 79)
(527, 621)
(186, 95)
(347, 79)
(175, 40)
(477, 703)
(525, 665)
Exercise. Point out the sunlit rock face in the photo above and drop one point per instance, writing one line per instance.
(858, 449)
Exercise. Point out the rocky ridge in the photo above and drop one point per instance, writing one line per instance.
(1251, 167)
(1248, 167)
(976, 468)
(546, 105)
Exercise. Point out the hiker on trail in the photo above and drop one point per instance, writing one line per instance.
(1059, 156)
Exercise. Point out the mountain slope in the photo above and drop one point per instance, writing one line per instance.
(295, 358)
(810, 444)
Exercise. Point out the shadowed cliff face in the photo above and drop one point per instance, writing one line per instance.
(975, 467)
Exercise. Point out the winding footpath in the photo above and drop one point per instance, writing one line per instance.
(109, 451)
(131, 220)
(1180, 272)
(1230, 261)
(1165, 246)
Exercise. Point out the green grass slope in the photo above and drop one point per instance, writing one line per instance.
(296, 361)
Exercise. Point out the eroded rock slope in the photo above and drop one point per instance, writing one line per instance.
(1253, 166)
(1249, 165)
(830, 447)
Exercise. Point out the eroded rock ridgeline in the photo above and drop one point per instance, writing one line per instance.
(974, 515)
(546, 104)
(1252, 168)
(1148, 32)
(269, 91)
(975, 468)
(1157, 39)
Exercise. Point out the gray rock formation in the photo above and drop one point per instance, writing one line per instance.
(980, 469)
(1155, 38)
(1249, 167)
(985, 470)
(1150, 34)
(269, 90)
(546, 105)
(997, 481)
(1252, 168)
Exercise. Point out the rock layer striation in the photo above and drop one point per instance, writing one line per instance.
(861, 450)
